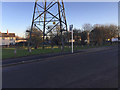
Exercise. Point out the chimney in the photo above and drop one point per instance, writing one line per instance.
(7, 32)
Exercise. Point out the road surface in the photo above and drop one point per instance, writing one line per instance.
(80, 70)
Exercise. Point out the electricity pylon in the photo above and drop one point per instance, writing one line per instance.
(48, 15)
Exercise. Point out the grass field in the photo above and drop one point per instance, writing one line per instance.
(9, 52)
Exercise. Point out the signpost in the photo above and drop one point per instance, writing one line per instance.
(71, 30)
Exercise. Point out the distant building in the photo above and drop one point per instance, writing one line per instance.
(7, 38)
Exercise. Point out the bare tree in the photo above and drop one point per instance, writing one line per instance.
(101, 33)
(87, 27)
(36, 37)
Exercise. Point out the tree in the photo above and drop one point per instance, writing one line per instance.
(101, 33)
(55, 37)
(36, 37)
(83, 37)
(87, 27)
(77, 35)
(113, 30)
(96, 35)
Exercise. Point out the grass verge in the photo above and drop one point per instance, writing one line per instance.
(20, 52)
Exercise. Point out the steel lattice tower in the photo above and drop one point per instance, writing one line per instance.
(48, 15)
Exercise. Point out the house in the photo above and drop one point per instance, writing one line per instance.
(7, 38)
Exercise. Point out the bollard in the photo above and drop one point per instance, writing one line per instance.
(15, 51)
(30, 50)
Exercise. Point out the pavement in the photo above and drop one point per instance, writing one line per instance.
(96, 68)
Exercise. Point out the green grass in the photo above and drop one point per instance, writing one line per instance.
(20, 52)
(9, 52)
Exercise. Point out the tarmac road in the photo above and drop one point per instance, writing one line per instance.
(88, 70)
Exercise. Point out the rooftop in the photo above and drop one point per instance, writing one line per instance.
(8, 35)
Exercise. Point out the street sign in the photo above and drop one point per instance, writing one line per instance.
(71, 27)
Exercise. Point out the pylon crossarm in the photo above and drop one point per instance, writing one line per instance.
(47, 21)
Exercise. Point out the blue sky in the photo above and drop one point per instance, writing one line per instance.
(17, 16)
